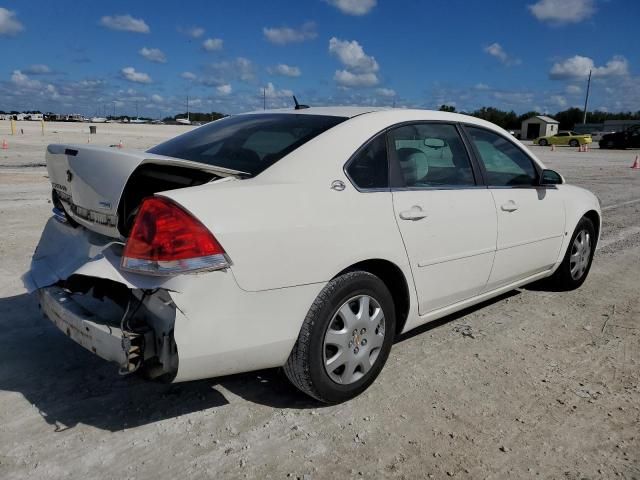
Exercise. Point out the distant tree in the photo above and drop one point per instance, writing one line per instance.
(569, 118)
(199, 116)
(526, 116)
(508, 120)
(447, 108)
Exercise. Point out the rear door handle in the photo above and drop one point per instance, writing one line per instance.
(414, 213)
(510, 206)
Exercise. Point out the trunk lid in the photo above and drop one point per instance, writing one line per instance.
(88, 182)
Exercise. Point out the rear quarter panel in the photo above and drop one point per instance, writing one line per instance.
(285, 234)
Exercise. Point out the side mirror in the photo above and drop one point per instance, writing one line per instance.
(550, 177)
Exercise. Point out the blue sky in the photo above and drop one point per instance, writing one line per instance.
(86, 56)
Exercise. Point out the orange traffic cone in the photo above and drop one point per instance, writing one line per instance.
(5, 145)
(120, 144)
(636, 163)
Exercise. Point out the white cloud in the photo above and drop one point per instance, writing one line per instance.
(23, 81)
(285, 70)
(270, 91)
(353, 7)
(481, 86)
(241, 68)
(579, 66)
(212, 44)
(558, 100)
(496, 51)
(386, 92)
(562, 11)
(193, 32)
(346, 78)
(130, 73)
(284, 35)
(125, 23)
(157, 98)
(153, 54)
(9, 24)
(573, 89)
(38, 69)
(352, 56)
(188, 75)
(224, 89)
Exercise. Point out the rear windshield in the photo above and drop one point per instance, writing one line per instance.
(247, 143)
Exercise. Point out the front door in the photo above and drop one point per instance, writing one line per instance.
(447, 222)
(531, 218)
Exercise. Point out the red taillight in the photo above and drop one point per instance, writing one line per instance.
(166, 240)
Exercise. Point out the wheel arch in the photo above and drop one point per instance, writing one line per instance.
(595, 219)
(394, 279)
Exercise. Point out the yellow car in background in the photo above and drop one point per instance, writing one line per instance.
(567, 137)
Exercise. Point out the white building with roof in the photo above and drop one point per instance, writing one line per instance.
(539, 126)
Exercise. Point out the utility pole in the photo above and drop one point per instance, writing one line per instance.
(586, 99)
(264, 98)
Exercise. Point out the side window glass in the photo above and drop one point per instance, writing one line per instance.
(506, 165)
(369, 168)
(431, 155)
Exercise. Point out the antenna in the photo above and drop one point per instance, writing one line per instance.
(298, 106)
(264, 98)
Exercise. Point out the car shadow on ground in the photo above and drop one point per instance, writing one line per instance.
(68, 385)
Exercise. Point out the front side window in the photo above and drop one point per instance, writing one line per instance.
(369, 168)
(247, 143)
(431, 155)
(505, 164)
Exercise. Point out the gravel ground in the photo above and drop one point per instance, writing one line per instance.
(532, 384)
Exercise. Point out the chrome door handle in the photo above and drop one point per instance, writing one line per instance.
(414, 213)
(510, 206)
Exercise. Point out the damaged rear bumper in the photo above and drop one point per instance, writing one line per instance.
(107, 341)
(186, 327)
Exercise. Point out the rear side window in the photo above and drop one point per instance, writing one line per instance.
(247, 143)
(431, 155)
(369, 168)
(505, 164)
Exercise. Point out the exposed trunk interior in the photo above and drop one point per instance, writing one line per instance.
(150, 178)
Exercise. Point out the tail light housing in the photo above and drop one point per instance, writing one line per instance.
(168, 240)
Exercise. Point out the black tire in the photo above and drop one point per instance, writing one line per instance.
(562, 279)
(543, 142)
(574, 143)
(305, 366)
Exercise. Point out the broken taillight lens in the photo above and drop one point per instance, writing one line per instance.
(168, 240)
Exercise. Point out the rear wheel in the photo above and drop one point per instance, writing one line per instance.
(345, 339)
(574, 143)
(543, 142)
(576, 264)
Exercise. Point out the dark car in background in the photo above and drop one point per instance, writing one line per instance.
(629, 138)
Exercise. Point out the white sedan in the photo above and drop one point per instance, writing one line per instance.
(305, 239)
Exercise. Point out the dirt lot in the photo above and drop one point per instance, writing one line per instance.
(532, 384)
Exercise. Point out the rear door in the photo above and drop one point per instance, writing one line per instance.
(447, 221)
(531, 218)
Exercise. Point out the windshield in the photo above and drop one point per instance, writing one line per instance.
(247, 143)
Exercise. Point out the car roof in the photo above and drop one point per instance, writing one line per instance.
(400, 114)
(336, 111)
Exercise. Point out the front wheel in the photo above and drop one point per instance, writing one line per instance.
(576, 264)
(574, 143)
(345, 339)
(543, 142)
